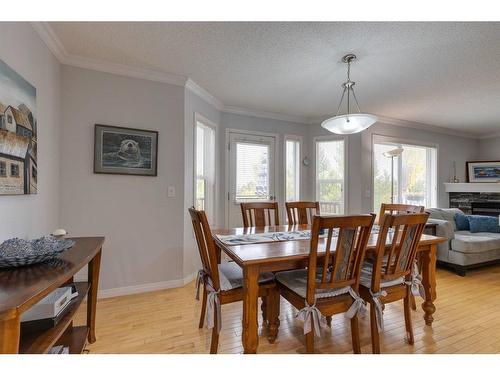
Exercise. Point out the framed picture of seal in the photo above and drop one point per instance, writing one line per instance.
(125, 151)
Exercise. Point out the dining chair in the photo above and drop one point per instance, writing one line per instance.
(301, 212)
(397, 208)
(223, 284)
(392, 275)
(258, 214)
(330, 283)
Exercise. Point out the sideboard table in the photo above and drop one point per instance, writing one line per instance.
(21, 288)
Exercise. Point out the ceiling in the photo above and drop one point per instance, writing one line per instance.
(441, 74)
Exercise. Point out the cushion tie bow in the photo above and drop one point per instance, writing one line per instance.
(200, 279)
(415, 283)
(311, 315)
(379, 311)
(357, 307)
(213, 307)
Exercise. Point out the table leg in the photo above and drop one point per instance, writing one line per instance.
(429, 282)
(250, 335)
(10, 332)
(93, 278)
(273, 313)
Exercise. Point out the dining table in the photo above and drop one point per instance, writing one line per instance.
(277, 251)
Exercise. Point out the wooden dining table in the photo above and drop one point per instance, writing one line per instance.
(255, 258)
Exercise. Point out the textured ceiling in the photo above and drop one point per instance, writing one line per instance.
(444, 74)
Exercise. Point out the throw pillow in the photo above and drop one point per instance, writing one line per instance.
(462, 221)
(479, 223)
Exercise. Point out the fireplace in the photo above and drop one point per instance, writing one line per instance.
(484, 201)
(488, 208)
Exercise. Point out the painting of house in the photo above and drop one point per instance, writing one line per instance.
(18, 134)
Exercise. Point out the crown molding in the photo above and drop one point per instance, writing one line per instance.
(491, 135)
(55, 45)
(51, 40)
(204, 94)
(264, 114)
(427, 127)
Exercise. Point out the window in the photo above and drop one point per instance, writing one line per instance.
(9, 119)
(3, 169)
(292, 170)
(33, 173)
(205, 169)
(252, 171)
(330, 175)
(415, 174)
(14, 170)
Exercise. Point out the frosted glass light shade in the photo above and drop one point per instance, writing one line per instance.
(349, 124)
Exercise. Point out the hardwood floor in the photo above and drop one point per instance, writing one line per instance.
(467, 320)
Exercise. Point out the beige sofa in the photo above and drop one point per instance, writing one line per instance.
(463, 250)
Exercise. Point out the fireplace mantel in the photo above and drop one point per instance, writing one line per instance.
(472, 187)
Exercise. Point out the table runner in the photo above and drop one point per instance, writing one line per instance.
(241, 239)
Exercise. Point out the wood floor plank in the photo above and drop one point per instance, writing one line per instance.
(467, 320)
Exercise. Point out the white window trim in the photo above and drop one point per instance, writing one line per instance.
(380, 138)
(299, 139)
(200, 118)
(346, 166)
(227, 166)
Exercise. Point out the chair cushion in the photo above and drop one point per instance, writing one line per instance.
(480, 223)
(231, 276)
(467, 242)
(366, 277)
(296, 280)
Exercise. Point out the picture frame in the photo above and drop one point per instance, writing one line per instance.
(483, 171)
(125, 151)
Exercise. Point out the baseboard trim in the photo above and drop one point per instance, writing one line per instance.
(143, 288)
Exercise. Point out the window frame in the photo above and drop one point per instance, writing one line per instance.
(215, 127)
(326, 138)
(299, 140)
(3, 168)
(380, 138)
(18, 174)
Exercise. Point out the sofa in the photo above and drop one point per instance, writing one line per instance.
(463, 250)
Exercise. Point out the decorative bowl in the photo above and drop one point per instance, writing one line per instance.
(17, 252)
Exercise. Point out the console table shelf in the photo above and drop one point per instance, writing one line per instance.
(42, 341)
(23, 287)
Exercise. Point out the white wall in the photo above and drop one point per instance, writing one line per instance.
(143, 227)
(489, 149)
(29, 216)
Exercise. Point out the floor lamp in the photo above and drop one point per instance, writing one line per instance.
(393, 154)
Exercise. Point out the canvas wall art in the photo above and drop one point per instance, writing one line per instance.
(18, 134)
(483, 171)
(128, 151)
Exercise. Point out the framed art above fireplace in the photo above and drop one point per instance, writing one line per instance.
(483, 171)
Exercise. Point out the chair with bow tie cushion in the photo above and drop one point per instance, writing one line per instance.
(392, 275)
(223, 283)
(260, 214)
(330, 283)
(301, 212)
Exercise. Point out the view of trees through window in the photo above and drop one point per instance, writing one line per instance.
(252, 171)
(330, 176)
(414, 175)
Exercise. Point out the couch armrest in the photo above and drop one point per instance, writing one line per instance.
(444, 228)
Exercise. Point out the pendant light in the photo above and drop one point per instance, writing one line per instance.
(349, 123)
